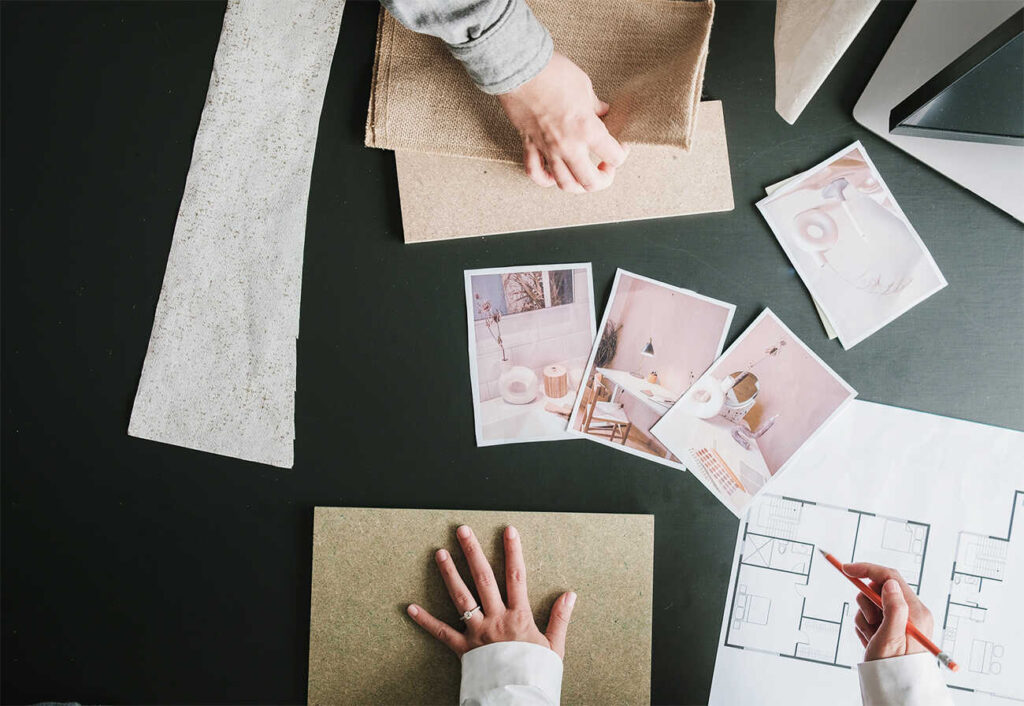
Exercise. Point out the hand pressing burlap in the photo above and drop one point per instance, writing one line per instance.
(558, 115)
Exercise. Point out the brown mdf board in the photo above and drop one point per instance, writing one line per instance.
(446, 197)
(369, 564)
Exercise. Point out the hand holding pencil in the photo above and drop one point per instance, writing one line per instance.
(891, 620)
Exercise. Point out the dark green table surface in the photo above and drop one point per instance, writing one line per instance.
(139, 572)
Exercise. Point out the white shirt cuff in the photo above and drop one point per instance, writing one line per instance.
(910, 680)
(511, 673)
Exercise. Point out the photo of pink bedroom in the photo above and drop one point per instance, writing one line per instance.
(531, 330)
(741, 423)
(655, 340)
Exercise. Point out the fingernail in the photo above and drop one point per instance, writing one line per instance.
(570, 600)
(891, 586)
(442, 555)
(413, 611)
(463, 531)
(511, 532)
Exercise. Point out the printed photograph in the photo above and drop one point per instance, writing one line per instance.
(855, 250)
(743, 422)
(655, 340)
(530, 332)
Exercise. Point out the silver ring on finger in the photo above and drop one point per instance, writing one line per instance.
(467, 616)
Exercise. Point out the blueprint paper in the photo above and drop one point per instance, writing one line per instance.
(940, 499)
(852, 245)
(219, 374)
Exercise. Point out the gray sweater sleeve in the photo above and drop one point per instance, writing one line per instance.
(501, 43)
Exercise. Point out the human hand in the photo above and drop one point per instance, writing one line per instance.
(883, 632)
(495, 622)
(558, 115)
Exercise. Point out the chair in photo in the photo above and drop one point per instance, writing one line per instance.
(600, 417)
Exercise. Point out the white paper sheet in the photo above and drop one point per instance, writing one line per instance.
(219, 374)
(931, 496)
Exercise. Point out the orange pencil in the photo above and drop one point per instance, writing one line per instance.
(877, 600)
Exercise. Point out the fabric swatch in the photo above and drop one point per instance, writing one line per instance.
(645, 57)
(810, 38)
(219, 374)
(655, 182)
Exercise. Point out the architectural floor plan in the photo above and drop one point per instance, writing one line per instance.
(982, 621)
(788, 601)
(941, 500)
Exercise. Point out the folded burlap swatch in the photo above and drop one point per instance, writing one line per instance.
(492, 197)
(645, 57)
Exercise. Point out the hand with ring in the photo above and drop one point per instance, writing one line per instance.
(491, 620)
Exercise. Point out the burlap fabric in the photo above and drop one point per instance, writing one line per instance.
(645, 57)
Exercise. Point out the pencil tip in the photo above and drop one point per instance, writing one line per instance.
(823, 552)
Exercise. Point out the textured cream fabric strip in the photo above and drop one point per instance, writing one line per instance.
(645, 57)
(219, 375)
(810, 38)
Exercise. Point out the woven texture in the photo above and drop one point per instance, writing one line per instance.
(645, 57)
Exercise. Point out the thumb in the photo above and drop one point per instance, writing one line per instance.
(558, 623)
(600, 107)
(890, 640)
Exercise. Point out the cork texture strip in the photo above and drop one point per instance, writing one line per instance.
(645, 57)
(369, 564)
(219, 374)
(454, 197)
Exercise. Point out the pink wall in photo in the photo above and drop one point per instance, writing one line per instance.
(793, 385)
(685, 332)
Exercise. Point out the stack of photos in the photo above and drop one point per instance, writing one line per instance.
(743, 422)
(654, 341)
(530, 331)
(852, 245)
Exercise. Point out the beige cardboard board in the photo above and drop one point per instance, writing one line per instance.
(446, 197)
(645, 57)
(369, 564)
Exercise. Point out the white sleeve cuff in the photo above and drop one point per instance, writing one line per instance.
(511, 673)
(910, 680)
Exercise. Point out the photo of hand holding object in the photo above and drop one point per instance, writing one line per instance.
(491, 620)
(864, 241)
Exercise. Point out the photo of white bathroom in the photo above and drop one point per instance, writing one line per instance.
(654, 341)
(857, 253)
(530, 332)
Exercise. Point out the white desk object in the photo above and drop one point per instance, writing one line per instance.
(660, 399)
(934, 34)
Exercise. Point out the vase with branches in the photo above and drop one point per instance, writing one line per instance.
(608, 345)
(492, 321)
